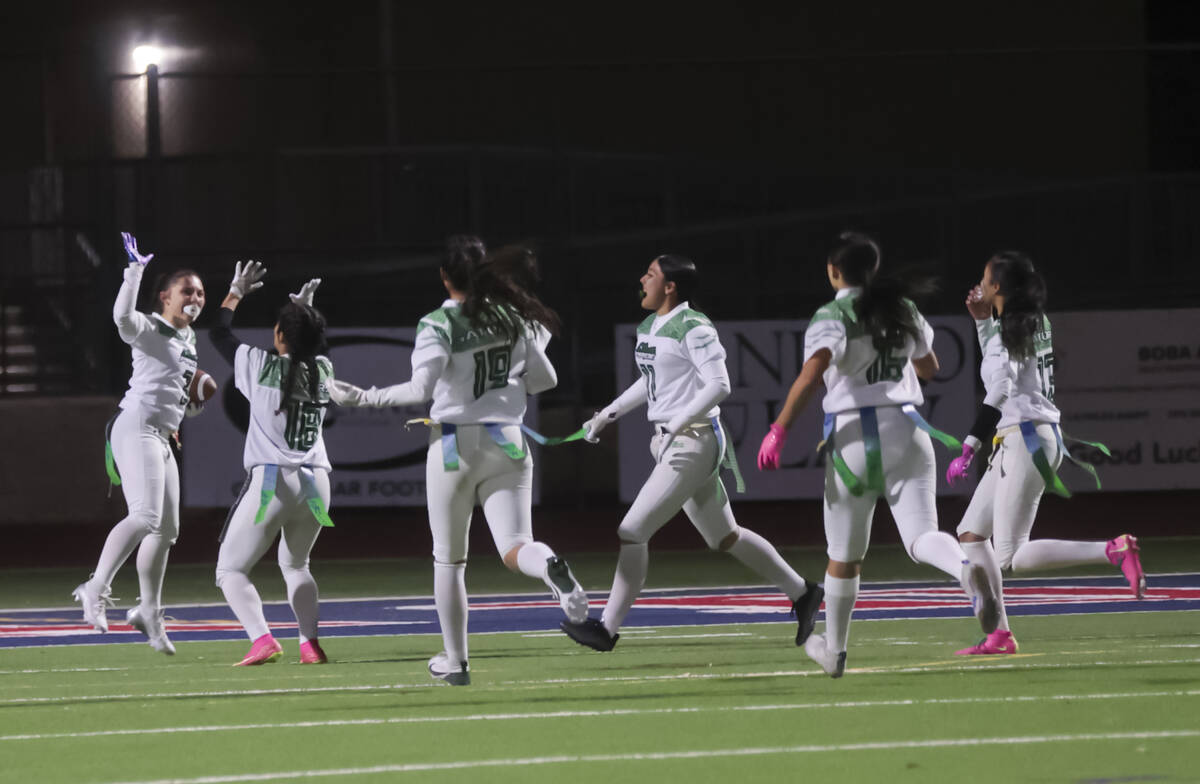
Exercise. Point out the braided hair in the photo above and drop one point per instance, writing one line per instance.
(303, 330)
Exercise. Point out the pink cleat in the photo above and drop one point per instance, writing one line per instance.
(998, 642)
(265, 649)
(1123, 552)
(311, 653)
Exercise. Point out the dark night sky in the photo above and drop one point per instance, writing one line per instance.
(744, 136)
(835, 86)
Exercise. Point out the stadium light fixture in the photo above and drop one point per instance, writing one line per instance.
(145, 56)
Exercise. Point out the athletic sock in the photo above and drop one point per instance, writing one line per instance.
(305, 601)
(632, 565)
(982, 554)
(761, 556)
(840, 594)
(245, 602)
(450, 595)
(531, 559)
(121, 542)
(941, 551)
(1057, 553)
(151, 569)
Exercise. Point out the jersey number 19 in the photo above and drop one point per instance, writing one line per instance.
(491, 369)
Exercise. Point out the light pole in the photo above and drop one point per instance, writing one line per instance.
(146, 59)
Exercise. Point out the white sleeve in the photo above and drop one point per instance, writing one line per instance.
(539, 373)
(827, 333)
(130, 323)
(703, 346)
(247, 364)
(983, 330)
(430, 356)
(715, 389)
(708, 357)
(924, 341)
(998, 373)
(628, 400)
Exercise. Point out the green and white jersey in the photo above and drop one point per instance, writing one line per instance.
(858, 375)
(677, 353)
(479, 375)
(1023, 390)
(292, 438)
(164, 358)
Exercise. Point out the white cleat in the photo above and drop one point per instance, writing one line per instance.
(95, 605)
(443, 669)
(834, 664)
(151, 625)
(566, 590)
(983, 595)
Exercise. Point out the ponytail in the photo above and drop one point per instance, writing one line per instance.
(303, 329)
(497, 286)
(885, 307)
(1024, 292)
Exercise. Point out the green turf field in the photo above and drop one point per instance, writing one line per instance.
(1090, 698)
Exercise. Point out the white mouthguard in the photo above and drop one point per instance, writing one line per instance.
(192, 310)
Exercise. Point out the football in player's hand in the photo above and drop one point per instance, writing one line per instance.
(202, 389)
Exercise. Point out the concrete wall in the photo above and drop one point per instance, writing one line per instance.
(52, 461)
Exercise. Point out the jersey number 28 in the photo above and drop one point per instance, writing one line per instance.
(886, 368)
(303, 425)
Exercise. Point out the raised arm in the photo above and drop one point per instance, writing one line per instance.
(244, 281)
(130, 323)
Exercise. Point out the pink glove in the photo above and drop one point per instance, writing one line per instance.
(959, 465)
(772, 446)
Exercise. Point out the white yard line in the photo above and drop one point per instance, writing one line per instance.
(624, 679)
(613, 712)
(678, 755)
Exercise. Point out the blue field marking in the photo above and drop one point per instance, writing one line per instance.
(661, 608)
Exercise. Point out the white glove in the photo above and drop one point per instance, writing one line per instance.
(247, 279)
(305, 297)
(345, 394)
(599, 421)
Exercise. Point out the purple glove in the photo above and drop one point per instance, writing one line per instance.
(772, 447)
(959, 465)
(131, 250)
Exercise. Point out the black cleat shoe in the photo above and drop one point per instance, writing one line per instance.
(590, 633)
(805, 609)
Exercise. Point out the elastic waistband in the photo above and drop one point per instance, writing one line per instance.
(898, 407)
(661, 429)
(1004, 432)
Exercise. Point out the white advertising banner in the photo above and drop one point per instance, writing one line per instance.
(377, 461)
(1131, 380)
(764, 358)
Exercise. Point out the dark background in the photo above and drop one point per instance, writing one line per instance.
(347, 140)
